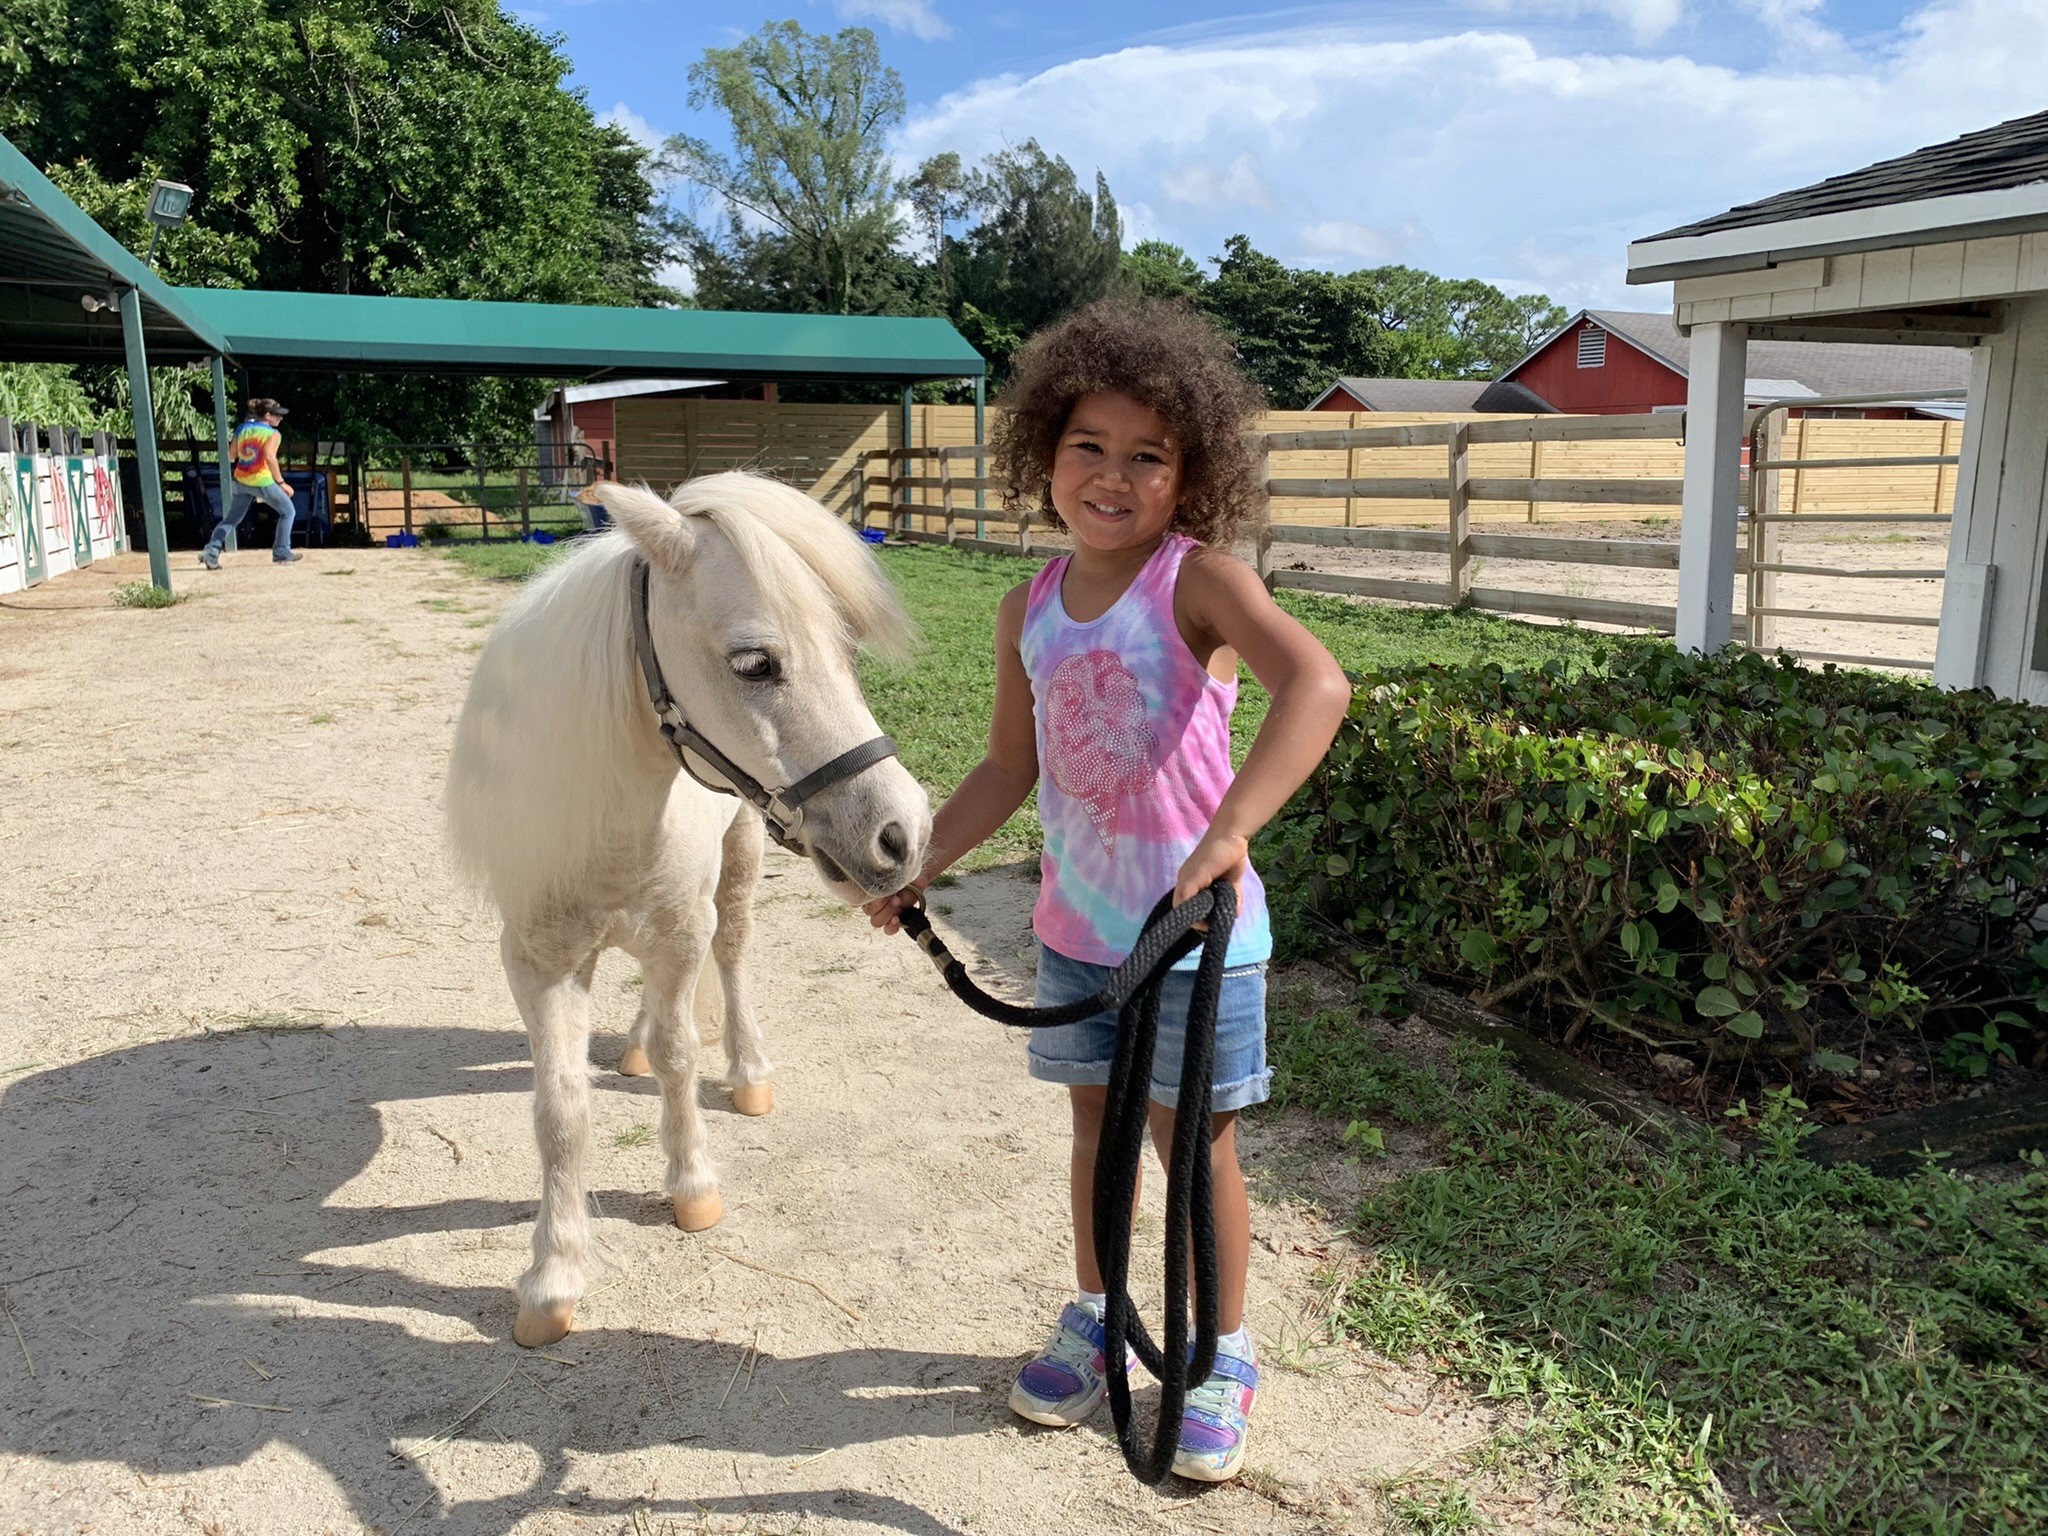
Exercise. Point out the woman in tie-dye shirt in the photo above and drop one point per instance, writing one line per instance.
(1116, 672)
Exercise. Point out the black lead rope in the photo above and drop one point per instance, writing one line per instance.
(1133, 990)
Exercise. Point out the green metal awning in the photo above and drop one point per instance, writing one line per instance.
(371, 333)
(52, 256)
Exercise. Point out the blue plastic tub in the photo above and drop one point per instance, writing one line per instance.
(401, 540)
(873, 535)
(541, 536)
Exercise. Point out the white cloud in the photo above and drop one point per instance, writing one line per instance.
(642, 132)
(1238, 184)
(1794, 24)
(1521, 162)
(1644, 20)
(913, 16)
(1356, 242)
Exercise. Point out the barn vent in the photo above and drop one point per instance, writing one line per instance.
(1592, 347)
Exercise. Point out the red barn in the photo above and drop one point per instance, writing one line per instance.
(1618, 362)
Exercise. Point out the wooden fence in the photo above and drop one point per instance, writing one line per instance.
(60, 503)
(1454, 473)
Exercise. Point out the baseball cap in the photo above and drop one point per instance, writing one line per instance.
(263, 405)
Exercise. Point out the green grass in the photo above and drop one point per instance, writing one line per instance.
(143, 594)
(502, 559)
(1849, 1354)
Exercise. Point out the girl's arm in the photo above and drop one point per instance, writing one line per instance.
(1222, 598)
(270, 458)
(999, 784)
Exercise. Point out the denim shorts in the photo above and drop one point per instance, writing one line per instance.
(1079, 1054)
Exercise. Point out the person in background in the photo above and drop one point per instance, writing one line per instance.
(257, 478)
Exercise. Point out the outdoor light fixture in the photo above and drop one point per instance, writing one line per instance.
(169, 201)
(93, 303)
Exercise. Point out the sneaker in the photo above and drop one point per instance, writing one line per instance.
(1217, 1421)
(1068, 1380)
(209, 559)
(286, 558)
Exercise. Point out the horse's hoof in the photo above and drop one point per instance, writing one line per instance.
(753, 1098)
(538, 1326)
(634, 1063)
(698, 1214)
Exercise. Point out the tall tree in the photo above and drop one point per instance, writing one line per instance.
(427, 148)
(1042, 246)
(1296, 328)
(1453, 328)
(1158, 269)
(809, 172)
(940, 193)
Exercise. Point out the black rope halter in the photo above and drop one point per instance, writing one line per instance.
(1133, 990)
(781, 809)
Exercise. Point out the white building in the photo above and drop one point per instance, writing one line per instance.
(1947, 246)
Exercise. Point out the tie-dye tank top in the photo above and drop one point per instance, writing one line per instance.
(1133, 758)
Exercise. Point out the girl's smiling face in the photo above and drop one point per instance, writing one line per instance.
(1116, 473)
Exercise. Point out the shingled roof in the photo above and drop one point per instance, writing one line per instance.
(2013, 154)
(1486, 395)
(1828, 368)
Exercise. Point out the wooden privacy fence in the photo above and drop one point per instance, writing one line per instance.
(1455, 446)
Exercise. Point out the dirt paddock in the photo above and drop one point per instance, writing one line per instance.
(267, 1175)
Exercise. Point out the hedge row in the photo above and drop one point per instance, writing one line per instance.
(1732, 852)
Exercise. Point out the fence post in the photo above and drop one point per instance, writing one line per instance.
(525, 507)
(1460, 583)
(1264, 560)
(483, 498)
(1763, 536)
(1535, 472)
(946, 491)
(405, 479)
(1353, 470)
(1024, 531)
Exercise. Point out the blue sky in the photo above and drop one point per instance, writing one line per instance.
(1521, 141)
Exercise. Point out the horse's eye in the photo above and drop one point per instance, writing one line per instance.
(755, 666)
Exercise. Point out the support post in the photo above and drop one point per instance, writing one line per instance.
(222, 446)
(1765, 486)
(143, 410)
(1460, 463)
(902, 501)
(1354, 469)
(483, 498)
(405, 480)
(1713, 486)
(981, 441)
(525, 507)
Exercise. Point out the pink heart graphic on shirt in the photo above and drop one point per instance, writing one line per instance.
(1098, 744)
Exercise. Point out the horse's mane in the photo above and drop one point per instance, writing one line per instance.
(556, 755)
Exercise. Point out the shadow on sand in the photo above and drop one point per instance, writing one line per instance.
(160, 1210)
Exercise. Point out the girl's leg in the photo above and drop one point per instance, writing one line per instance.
(1088, 1103)
(1232, 1206)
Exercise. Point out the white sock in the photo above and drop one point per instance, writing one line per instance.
(1239, 1343)
(1096, 1302)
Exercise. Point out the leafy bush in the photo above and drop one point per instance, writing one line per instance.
(142, 594)
(1733, 852)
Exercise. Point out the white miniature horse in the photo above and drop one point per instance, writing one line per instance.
(565, 802)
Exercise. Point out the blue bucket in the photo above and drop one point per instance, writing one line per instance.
(401, 541)
(873, 535)
(539, 537)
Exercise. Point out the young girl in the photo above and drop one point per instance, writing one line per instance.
(1116, 672)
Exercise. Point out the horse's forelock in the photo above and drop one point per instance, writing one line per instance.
(797, 552)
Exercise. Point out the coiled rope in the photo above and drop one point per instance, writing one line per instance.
(1133, 989)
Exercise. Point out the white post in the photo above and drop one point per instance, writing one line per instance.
(1713, 483)
(1967, 593)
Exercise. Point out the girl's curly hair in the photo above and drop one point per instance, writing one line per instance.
(1163, 354)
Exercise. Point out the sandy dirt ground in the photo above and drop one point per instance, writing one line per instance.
(267, 1175)
(1837, 546)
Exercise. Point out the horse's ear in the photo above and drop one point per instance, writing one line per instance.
(662, 533)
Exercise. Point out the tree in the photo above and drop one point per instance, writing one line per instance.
(347, 146)
(809, 167)
(1041, 246)
(1156, 269)
(940, 193)
(1296, 328)
(1453, 328)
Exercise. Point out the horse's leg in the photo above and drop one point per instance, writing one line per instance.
(633, 1060)
(674, 951)
(550, 980)
(747, 1068)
